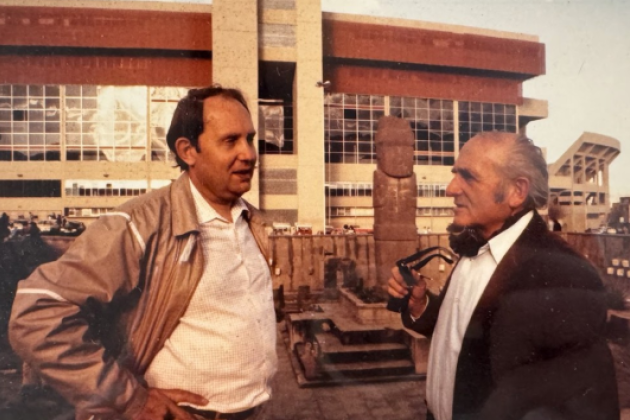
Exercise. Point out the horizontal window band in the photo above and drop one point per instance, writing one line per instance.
(103, 52)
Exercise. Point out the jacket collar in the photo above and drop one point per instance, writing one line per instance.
(514, 257)
(184, 217)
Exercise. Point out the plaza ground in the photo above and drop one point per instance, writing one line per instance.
(372, 401)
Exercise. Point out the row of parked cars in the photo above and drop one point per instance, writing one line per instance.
(609, 230)
(307, 229)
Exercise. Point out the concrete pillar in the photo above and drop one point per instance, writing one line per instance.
(309, 114)
(235, 57)
(605, 183)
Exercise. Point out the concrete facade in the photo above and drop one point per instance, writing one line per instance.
(330, 77)
(579, 182)
(235, 44)
(309, 113)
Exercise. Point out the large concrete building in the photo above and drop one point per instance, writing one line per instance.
(87, 90)
(579, 182)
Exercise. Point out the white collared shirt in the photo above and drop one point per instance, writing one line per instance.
(224, 347)
(469, 280)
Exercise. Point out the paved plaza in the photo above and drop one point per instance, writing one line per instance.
(374, 401)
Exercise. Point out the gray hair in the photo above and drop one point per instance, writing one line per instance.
(524, 160)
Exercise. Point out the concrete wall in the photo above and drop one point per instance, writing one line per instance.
(601, 250)
(302, 260)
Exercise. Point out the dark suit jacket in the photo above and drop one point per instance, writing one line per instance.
(534, 348)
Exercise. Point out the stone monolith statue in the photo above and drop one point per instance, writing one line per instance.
(395, 195)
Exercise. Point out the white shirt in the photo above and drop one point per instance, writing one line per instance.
(224, 347)
(469, 280)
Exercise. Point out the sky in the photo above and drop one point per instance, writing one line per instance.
(587, 80)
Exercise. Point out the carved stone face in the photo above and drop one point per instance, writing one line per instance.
(395, 161)
(394, 147)
(396, 196)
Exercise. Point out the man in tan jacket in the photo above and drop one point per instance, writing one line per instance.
(163, 309)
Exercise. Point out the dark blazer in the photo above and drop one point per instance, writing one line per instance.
(534, 348)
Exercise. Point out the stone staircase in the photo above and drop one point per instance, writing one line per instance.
(330, 346)
(363, 360)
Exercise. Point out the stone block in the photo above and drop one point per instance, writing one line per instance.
(396, 162)
(420, 346)
(395, 232)
(394, 147)
(395, 193)
(283, 263)
(387, 253)
(299, 272)
(366, 313)
(363, 259)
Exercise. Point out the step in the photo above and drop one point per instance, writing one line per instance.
(367, 369)
(347, 323)
(332, 350)
(349, 331)
(356, 336)
(325, 377)
(330, 343)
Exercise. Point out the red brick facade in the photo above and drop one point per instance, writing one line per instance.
(362, 58)
(102, 46)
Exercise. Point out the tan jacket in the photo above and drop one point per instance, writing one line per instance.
(91, 322)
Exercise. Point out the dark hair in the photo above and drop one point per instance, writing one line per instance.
(188, 116)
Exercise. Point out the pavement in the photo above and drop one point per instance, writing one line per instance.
(371, 401)
(376, 401)
(385, 400)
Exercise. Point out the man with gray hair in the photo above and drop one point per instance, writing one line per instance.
(517, 331)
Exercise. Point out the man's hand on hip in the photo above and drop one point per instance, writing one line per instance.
(162, 405)
(397, 288)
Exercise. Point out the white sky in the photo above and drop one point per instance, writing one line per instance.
(587, 54)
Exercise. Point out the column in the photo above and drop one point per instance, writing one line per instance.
(235, 57)
(309, 115)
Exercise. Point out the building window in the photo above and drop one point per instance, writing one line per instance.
(431, 121)
(109, 188)
(86, 211)
(348, 190)
(30, 188)
(278, 4)
(350, 123)
(434, 211)
(275, 128)
(29, 122)
(350, 212)
(163, 101)
(475, 117)
(432, 190)
(106, 123)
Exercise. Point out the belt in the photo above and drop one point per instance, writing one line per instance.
(215, 415)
